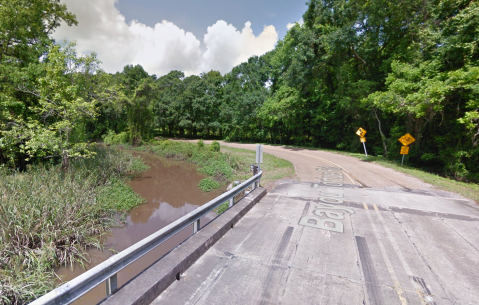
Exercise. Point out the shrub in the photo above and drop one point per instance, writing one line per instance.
(200, 144)
(215, 146)
(112, 138)
(219, 169)
(208, 184)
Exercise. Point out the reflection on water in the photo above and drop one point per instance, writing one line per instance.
(171, 191)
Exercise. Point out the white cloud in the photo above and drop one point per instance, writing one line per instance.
(228, 47)
(162, 48)
(291, 24)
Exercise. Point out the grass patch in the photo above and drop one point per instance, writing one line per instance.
(274, 168)
(208, 184)
(49, 218)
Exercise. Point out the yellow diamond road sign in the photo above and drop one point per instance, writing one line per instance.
(406, 139)
(361, 132)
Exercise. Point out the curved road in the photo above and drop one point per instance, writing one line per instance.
(357, 172)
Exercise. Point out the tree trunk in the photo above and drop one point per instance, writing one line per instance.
(65, 161)
(383, 137)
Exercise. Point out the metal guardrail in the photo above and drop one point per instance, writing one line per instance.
(107, 271)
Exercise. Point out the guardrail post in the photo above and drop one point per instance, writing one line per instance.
(196, 226)
(232, 201)
(111, 285)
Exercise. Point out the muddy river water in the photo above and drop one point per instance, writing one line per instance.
(171, 191)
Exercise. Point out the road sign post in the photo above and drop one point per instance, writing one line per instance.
(405, 141)
(361, 132)
(365, 151)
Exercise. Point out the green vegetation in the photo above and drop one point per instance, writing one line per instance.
(215, 146)
(208, 184)
(222, 208)
(49, 217)
(112, 138)
(274, 168)
(394, 69)
(402, 67)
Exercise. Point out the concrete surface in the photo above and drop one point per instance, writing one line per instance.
(144, 288)
(333, 239)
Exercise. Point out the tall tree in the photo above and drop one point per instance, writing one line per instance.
(25, 28)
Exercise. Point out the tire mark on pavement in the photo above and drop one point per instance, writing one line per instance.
(370, 276)
(268, 295)
(384, 254)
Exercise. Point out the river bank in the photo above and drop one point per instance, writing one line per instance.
(170, 190)
(114, 195)
(50, 217)
(223, 166)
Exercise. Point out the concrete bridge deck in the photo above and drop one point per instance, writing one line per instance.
(343, 232)
(379, 247)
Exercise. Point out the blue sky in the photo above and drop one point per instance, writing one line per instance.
(186, 35)
(195, 16)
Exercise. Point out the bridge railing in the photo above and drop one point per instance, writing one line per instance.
(107, 270)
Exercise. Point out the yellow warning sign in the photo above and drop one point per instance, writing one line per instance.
(406, 139)
(404, 150)
(362, 139)
(361, 132)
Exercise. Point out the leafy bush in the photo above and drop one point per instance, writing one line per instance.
(112, 138)
(428, 156)
(219, 169)
(215, 146)
(208, 184)
(200, 144)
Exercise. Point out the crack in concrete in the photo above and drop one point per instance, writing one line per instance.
(257, 223)
(467, 241)
(435, 276)
(201, 291)
(273, 265)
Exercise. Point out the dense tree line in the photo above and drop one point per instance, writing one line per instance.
(389, 67)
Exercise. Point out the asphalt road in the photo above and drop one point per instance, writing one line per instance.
(343, 232)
